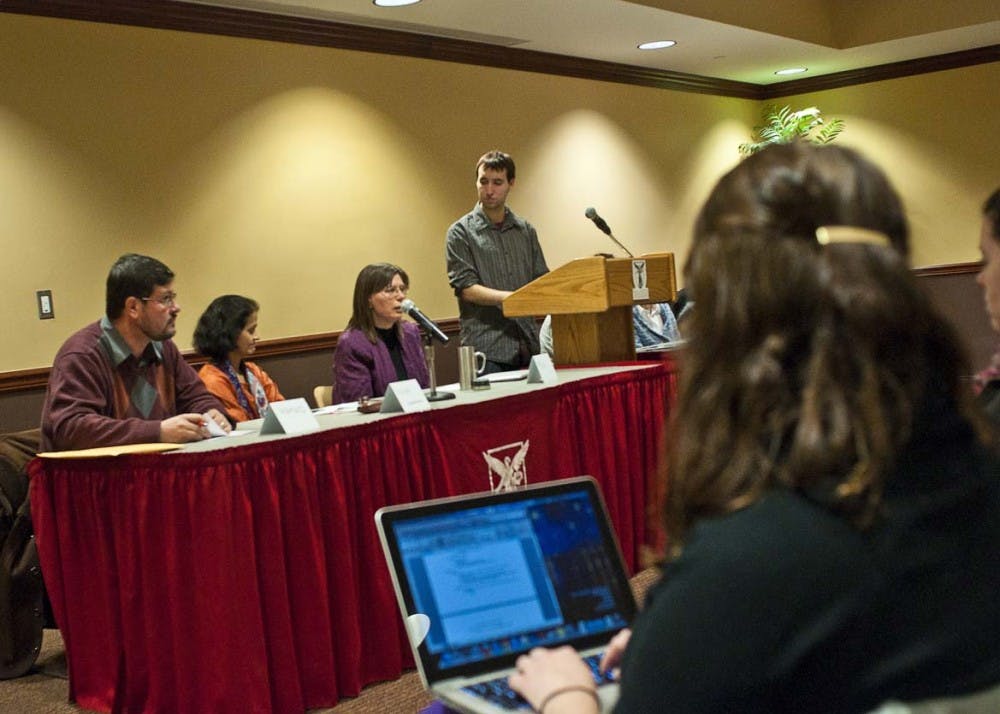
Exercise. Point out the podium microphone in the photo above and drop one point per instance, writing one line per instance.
(603, 226)
(425, 322)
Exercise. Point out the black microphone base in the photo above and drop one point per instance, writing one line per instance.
(439, 396)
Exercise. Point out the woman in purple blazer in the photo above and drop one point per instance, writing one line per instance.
(377, 347)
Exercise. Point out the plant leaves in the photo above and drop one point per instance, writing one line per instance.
(782, 125)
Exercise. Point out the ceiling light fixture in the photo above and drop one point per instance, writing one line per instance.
(658, 45)
(791, 70)
(394, 3)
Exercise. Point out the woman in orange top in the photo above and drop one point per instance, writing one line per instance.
(227, 335)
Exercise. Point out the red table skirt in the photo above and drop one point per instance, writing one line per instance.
(251, 579)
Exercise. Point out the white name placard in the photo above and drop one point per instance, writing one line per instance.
(542, 371)
(292, 416)
(404, 396)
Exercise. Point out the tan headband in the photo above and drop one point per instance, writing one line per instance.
(851, 234)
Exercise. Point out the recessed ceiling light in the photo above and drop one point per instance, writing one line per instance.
(394, 3)
(792, 70)
(658, 45)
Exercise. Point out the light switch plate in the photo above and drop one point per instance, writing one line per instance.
(45, 309)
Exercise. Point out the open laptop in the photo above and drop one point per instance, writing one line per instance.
(499, 574)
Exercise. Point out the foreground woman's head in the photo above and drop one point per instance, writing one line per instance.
(808, 363)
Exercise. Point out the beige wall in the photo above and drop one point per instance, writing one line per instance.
(937, 137)
(278, 171)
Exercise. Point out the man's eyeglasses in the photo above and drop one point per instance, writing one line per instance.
(394, 289)
(168, 300)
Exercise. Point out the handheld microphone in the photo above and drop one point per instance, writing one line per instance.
(425, 322)
(605, 228)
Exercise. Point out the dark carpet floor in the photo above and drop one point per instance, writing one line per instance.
(45, 690)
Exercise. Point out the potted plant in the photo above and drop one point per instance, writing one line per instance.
(782, 126)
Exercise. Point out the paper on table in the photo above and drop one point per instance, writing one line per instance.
(662, 347)
(213, 427)
(511, 376)
(119, 450)
(337, 408)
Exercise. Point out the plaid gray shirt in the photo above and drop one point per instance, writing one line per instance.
(504, 258)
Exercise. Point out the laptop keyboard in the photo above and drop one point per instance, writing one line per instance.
(498, 692)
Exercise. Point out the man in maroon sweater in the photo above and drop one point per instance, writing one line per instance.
(122, 380)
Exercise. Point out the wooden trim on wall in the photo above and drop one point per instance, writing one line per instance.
(37, 378)
(233, 22)
(952, 269)
(24, 380)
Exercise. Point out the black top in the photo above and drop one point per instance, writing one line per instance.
(390, 336)
(785, 607)
(989, 400)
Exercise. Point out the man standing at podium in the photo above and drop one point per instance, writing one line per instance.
(491, 252)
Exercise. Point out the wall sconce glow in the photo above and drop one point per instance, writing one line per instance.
(791, 70)
(658, 45)
(394, 3)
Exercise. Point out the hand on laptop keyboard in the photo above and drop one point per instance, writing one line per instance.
(498, 691)
(612, 656)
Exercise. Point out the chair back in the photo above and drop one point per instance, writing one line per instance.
(22, 592)
(323, 395)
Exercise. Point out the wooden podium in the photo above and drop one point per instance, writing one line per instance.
(590, 300)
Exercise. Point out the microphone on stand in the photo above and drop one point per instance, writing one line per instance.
(603, 226)
(425, 322)
(431, 332)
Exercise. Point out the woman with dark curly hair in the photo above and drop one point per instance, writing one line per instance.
(833, 511)
(227, 334)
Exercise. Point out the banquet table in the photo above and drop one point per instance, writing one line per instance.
(245, 574)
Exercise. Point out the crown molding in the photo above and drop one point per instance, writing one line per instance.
(253, 24)
(878, 73)
(234, 22)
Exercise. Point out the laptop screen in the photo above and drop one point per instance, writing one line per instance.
(500, 574)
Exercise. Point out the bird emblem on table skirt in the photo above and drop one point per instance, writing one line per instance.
(507, 472)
